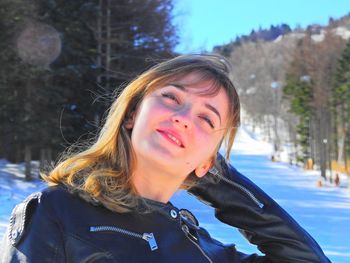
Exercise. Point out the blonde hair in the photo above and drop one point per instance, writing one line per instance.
(103, 171)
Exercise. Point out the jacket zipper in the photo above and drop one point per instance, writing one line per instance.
(215, 172)
(187, 233)
(149, 237)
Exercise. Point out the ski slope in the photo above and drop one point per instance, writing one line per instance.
(324, 212)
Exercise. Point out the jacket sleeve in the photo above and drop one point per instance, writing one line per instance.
(240, 203)
(32, 235)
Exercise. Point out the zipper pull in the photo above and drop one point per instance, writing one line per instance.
(149, 237)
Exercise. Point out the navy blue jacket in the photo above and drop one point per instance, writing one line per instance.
(57, 226)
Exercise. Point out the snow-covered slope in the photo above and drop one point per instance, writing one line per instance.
(323, 212)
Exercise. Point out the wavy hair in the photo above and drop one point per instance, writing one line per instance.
(103, 171)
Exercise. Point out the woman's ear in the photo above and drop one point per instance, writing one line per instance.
(202, 170)
(129, 121)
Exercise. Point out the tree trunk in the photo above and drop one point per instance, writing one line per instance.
(329, 143)
(313, 139)
(42, 159)
(99, 43)
(108, 44)
(49, 156)
(45, 158)
(345, 152)
(27, 159)
(18, 157)
(321, 144)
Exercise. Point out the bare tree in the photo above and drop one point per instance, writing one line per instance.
(259, 70)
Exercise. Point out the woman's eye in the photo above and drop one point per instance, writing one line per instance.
(207, 120)
(170, 96)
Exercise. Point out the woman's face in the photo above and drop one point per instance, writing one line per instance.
(177, 130)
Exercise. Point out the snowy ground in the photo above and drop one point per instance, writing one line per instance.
(323, 212)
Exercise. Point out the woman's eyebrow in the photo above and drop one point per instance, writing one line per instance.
(178, 86)
(213, 109)
(207, 105)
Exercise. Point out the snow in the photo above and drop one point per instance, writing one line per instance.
(295, 35)
(278, 39)
(343, 32)
(323, 211)
(318, 37)
(338, 31)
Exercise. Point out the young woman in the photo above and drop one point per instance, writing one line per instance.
(110, 202)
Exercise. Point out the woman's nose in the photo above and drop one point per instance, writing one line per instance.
(182, 121)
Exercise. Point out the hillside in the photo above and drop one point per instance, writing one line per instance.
(261, 61)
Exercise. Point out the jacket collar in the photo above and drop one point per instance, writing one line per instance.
(167, 209)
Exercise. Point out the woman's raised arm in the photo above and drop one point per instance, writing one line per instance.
(240, 203)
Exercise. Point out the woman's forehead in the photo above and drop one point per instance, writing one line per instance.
(198, 83)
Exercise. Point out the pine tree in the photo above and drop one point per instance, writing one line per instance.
(317, 61)
(300, 93)
(46, 106)
(341, 103)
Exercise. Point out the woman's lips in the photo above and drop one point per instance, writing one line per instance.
(172, 137)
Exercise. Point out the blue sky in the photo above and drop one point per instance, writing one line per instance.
(205, 23)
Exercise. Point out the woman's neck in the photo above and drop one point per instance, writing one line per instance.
(153, 184)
